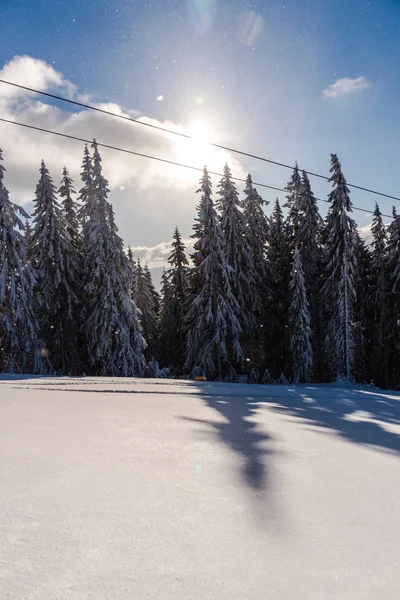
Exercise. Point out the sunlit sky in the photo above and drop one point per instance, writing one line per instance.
(290, 80)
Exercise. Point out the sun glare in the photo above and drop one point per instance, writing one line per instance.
(198, 151)
(201, 132)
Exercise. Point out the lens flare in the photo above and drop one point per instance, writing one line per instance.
(202, 14)
(251, 28)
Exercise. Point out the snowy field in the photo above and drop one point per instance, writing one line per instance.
(151, 489)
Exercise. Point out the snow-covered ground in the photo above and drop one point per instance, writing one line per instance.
(151, 489)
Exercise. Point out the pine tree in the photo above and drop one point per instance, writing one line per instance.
(27, 232)
(145, 302)
(87, 197)
(277, 351)
(54, 260)
(308, 241)
(132, 265)
(19, 344)
(130, 256)
(392, 266)
(70, 207)
(86, 208)
(237, 251)
(194, 276)
(300, 325)
(339, 286)
(178, 277)
(70, 212)
(293, 199)
(155, 295)
(361, 321)
(128, 345)
(167, 324)
(179, 265)
(113, 334)
(309, 227)
(213, 325)
(256, 222)
(97, 312)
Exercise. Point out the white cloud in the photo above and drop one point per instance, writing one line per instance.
(346, 87)
(149, 197)
(33, 73)
(157, 256)
(365, 233)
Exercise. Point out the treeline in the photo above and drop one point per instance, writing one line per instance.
(296, 295)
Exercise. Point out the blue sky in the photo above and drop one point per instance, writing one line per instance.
(253, 72)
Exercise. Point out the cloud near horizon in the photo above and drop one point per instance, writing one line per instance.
(149, 197)
(346, 87)
(157, 256)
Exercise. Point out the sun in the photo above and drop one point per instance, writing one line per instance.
(198, 151)
(201, 132)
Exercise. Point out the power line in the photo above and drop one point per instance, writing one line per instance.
(163, 160)
(189, 137)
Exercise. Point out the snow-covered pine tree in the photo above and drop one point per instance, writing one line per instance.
(27, 232)
(194, 277)
(277, 350)
(293, 198)
(361, 320)
(19, 345)
(69, 207)
(256, 223)
(237, 251)
(167, 324)
(155, 295)
(128, 345)
(179, 285)
(379, 240)
(300, 325)
(130, 257)
(97, 292)
(145, 302)
(339, 287)
(86, 193)
(113, 334)
(213, 325)
(179, 266)
(393, 251)
(198, 230)
(308, 241)
(132, 264)
(54, 261)
(392, 263)
(378, 350)
(70, 211)
(309, 228)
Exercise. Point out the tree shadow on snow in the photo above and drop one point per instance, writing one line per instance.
(239, 431)
(244, 430)
(361, 416)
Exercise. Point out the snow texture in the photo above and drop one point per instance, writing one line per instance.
(125, 489)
